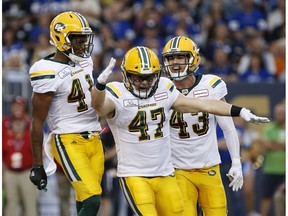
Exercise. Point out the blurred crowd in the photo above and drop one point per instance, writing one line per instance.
(238, 40)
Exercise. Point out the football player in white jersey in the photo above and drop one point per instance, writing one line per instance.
(137, 111)
(194, 143)
(61, 95)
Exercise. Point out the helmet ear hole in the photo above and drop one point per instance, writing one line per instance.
(58, 39)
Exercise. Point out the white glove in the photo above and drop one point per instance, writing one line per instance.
(250, 117)
(104, 76)
(235, 175)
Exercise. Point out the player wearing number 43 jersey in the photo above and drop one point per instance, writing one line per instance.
(193, 135)
(137, 111)
(61, 95)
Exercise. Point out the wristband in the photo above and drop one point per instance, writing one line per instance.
(235, 110)
(100, 86)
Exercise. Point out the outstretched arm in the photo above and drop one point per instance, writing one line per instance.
(187, 104)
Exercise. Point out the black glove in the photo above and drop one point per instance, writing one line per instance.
(38, 177)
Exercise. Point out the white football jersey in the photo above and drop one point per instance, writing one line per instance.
(141, 130)
(70, 111)
(193, 135)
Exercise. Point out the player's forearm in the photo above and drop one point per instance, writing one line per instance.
(36, 134)
(216, 107)
(230, 135)
(98, 101)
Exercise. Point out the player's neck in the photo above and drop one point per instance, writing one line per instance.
(60, 57)
(186, 83)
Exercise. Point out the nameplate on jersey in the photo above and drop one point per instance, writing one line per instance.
(83, 64)
(161, 96)
(201, 93)
(130, 102)
(64, 72)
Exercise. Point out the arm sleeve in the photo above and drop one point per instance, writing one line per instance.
(230, 135)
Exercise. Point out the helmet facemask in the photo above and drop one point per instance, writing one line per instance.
(178, 71)
(134, 83)
(78, 46)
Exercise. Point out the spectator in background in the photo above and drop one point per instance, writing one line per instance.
(14, 55)
(257, 72)
(222, 67)
(248, 16)
(217, 11)
(168, 19)
(91, 9)
(274, 137)
(118, 16)
(276, 20)
(278, 48)
(151, 36)
(42, 48)
(220, 38)
(17, 161)
(43, 6)
(255, 45)
(17, 15)
(40, 27)
(108, 43)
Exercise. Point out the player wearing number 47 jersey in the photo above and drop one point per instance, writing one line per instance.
(61, 95)
(193, 135)
(137, 111)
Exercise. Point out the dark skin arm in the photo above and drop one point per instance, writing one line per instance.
(40, 108)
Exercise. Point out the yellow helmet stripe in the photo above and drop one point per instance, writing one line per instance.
(145, 61)
(82, 20)
(175, 42)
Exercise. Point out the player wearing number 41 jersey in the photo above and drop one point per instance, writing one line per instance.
(137, 111)
(193, 135)
(61, 95)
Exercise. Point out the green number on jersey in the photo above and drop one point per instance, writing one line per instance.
(177, 121)
(77, 94)
(139, 123)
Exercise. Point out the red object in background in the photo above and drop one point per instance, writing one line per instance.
(16, 147)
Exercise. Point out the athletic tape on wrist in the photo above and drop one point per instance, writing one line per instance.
(100, 86)
(235, 110)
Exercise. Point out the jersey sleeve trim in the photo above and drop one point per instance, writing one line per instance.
(45, 74)
(113, 90)
(215, 81)
(170, 86)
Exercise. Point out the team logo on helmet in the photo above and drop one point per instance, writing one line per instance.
(58, 27)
